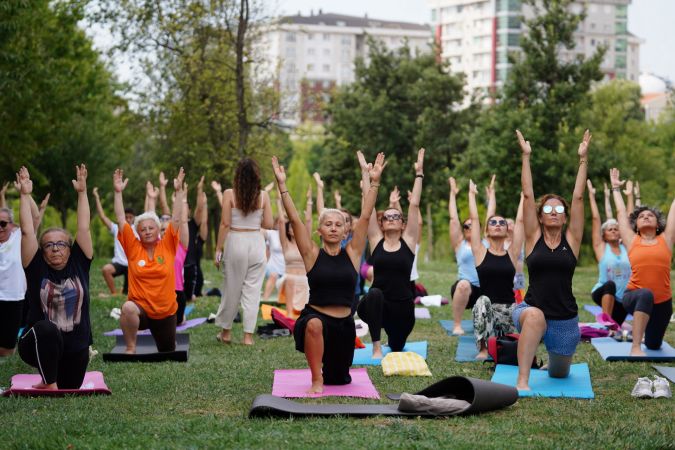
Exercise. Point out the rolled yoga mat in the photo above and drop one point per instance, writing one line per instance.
(146, 350)
(363, 356)
(467, 326)
(22, 384)
(467, 350)
(576, 385)
(294, 383)
(668, 372)
(482, 396)
(422, 313)
(611, 350)
(188, 324)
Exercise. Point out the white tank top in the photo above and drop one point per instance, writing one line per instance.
(12, 278)
(250, 221)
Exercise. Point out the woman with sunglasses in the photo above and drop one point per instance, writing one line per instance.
(496, 268)
(151, 301)
(553, 235)
(325, 330)
(613, 265)
(389, 303)
(58, 331)
(649, 238)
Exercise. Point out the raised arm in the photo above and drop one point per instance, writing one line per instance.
(281, 223)
(625, 230)
(83, 235)
(454, 225)
(518, 236)
(119, 183)
(338, 199)
(37, 219)
(218, 189)
(477, 247)
(3, 191)
(308, 210)
(319, 193)
(530, 222)
(628, 192)
(99, 209)
(360, 229)
(491, 200)
(203, 216)
(163, 203)
(29, 242)
(598, 244)
(636, 191)
(669, 232)
(410, 234)
(197, 213)
(180, 203)
(575, 227)
(374, 232)
(151, 195)
(608, 204)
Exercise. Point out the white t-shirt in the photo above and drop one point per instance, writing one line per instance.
(276, 263)
(12, 277)
(414, 275)
(119, 257)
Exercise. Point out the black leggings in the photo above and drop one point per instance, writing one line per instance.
(397, 318)
(180, 312)
(618, 311)
(190, 281)
(659, 314)
(199, 284)
(42, 347)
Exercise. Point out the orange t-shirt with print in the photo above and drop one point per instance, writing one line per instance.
(151, 282)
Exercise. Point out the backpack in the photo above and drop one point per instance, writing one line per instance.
(504, 350)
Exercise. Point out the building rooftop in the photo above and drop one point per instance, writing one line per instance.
(332, 19)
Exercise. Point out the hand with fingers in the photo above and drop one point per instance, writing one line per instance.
(23, 183)
(363, 164)
(583, 147)
(150, 190)
(119, 182)
(615, 179)
(337, 197)
(524, 145)
(280, 172)
(453, 186)
(179, 181)
(80, 183)
(319, 181)
(216, 186)
(473, 189)
(591, 189)
(375, 170)
(44, 203)
(419, 164)
(394, 196)
(163, 181)
(629, 188)
(636, 189)
(489, 189)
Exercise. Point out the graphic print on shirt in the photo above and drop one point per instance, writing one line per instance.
(62, 302)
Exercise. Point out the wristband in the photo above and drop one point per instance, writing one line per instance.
(583, 161)
(419, 175)
(374, 185)
(616, 189)
(282, 193)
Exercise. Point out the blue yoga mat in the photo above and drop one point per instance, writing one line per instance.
(576, 385)
(363, 356)
(466, 349)
(595, 310)
(611, 350)
(188, 310)
(668, 372)
(467, 326)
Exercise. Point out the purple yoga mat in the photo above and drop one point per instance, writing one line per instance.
(189, 324)
(294, 383)
(22, 384)
(422, 313)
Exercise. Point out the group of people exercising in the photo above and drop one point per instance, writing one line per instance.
(633, 252)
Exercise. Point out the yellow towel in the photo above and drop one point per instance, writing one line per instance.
(405, 363)
(266, 311)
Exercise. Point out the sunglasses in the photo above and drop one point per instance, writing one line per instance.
(165, 218)
(548, 209)
(4, 223)
(392, 217)
(495, 222)
(467, 226)
(58, 245)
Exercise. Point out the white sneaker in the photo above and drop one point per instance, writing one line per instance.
(661, 387)
(643, 388)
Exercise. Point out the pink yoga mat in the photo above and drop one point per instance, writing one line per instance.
(22, 384)
(188, 324)
(294, 383)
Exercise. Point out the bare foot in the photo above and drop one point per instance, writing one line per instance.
(247, 341)
(317, 387)
(377, 353)
(523, 387)
(457, 331)
(221, 338)
(130, 351)
(46, 387)
(637, 351)
(482, 355)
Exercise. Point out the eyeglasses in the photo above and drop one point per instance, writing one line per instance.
(467, 226)
(55, 246)
(495, 222)
(392, 217)
(165, 218)
(4, 223)
(548, 209)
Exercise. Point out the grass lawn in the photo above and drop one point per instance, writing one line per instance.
(204, 403)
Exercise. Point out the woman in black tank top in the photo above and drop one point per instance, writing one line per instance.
(325, 329)
(496, 268)
(549, 310)
(389, 303)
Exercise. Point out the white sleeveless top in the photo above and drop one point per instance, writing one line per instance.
(251, 221)
(12, 277)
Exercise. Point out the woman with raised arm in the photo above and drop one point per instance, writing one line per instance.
(553, 235)
(57, 337)
(241, 247)
(496, 268)
(325, 331)
(649, 238)
(389, 303)
(613, 264)
(151, 301)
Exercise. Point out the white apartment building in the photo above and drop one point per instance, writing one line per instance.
(311, 55)
(476, 37)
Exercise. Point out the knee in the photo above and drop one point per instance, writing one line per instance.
(314, 329)
(375, 295)
(533, 318)
(610, 288)
(463, 288)
(130, 309)
(645, 301)
(107, 270)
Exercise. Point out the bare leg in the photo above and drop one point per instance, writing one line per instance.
(269, 286)
(483, 352)
(108, 270)
(640, 320)
(129, 321)
(533, 327)
(6, 351)
(314, 353)
(248, 338)
(377, 349)
(559, 365)
(459, 301)
(607, 304)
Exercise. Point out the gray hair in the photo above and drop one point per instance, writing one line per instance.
(327, 211)
(608, 223)
(148, 215)
(62, 230)
(9, 212)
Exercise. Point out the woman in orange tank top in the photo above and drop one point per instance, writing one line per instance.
(649, 238)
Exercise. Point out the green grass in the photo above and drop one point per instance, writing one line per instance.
(204, 403)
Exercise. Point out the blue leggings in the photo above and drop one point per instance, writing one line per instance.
(561, 336)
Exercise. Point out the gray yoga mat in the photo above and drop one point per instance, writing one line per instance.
(146, 350)
(668, 372)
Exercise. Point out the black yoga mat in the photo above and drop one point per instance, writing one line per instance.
(482, 396)
(146, 350)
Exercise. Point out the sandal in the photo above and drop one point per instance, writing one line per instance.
(219, 338)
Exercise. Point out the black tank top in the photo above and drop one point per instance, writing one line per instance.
(496, 274)
(332, 280)
(391, 271)
(551, 272)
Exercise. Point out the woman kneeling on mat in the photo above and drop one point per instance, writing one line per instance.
(549, 310)
(649, 238)
(325, 331)
(496, 268)
(389, 303)
(58, 334)
(152, 296)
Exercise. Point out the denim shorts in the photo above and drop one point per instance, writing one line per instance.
(561, 336)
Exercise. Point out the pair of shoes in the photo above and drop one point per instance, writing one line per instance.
(115, 313)
(646, 388)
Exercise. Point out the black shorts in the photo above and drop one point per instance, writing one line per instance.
(338, 344)
(11, 316)
(473, 297)
(163, 330)
(120, 269)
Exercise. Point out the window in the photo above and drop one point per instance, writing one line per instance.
(508, 5)
(341, 23)
(326, 67)
(290, 51)
(433, 15)
(512, 22)
(310, 67)
(326, 37)
(326, 52)
(310, 36)
(621, 11)
(509, 39)
(621, 28)
(346, 40)
(592, 42)
(290, 37)
(311, 51)
(503, 57)
(620, 61)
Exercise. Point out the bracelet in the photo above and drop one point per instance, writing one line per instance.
(419, 175)
(637, 198)
(374, 185)
(583, 161)
(282, 193)
(616, 189)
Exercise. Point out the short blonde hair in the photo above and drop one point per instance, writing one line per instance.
(148, 215)
(327, 211)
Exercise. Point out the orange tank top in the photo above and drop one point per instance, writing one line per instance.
(650, 268)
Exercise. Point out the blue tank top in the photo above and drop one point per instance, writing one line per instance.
(616, 268)
(466, 266)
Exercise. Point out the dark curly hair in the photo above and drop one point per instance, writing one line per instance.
(247, 185)
(660, 219)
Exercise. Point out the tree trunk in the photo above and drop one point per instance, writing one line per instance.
(430, 236)
(240, 46)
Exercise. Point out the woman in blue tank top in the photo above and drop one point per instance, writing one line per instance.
(553, 233)
(325, 330)
(613, 264)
